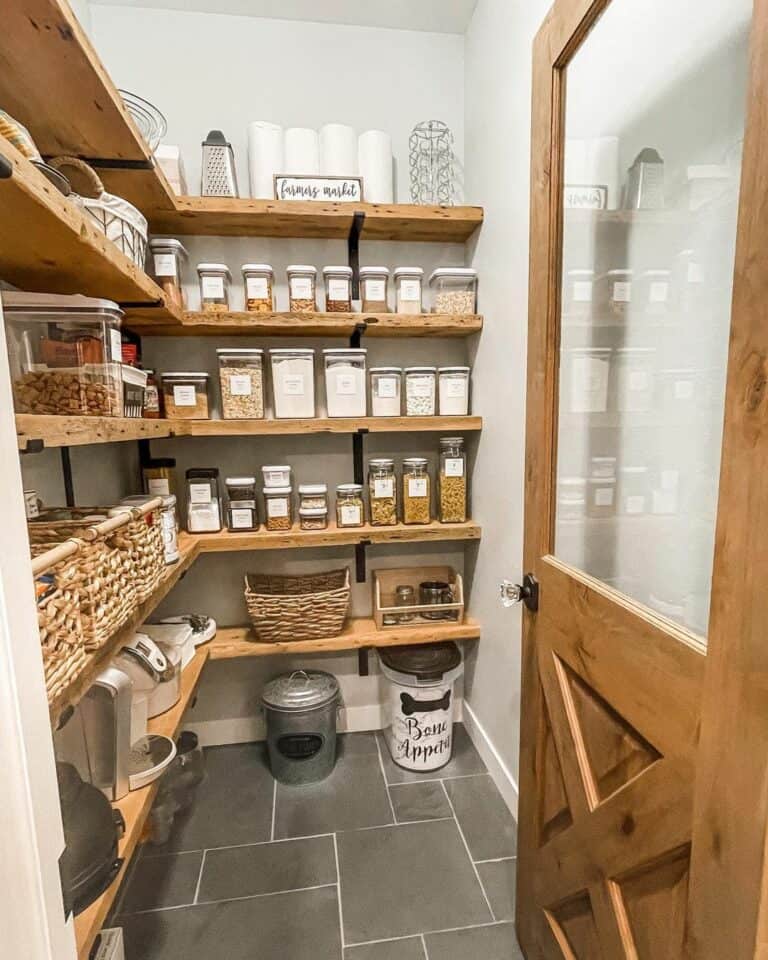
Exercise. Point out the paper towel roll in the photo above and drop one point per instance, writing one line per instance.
(265, 157)
(302, 151)
(338, 150)
(375, 165)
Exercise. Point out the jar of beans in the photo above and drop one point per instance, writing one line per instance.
(258, 283)
(420, 391)
(416, 491)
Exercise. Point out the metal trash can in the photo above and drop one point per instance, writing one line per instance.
(419, 703)
(301, 725)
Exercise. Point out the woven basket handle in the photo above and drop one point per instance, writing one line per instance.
(89, 175)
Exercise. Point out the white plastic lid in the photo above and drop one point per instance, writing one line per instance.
(346, 351)
(408, 272)
(213, 268)
(602, 481)
(349, 488)
(572, 481)
(257, 268)
(313, 511)
(581, 273)
(274, 469)
(468, 273)
(277, 491)
(421, 370)
(292, 352)
(167, 243)
(397, 370)
(312, 489)
(239, 351)
(185, 375)
(301, 268)
(623, 273)
(240, 481)
(453, 370)
(374, 271)
(657, 273)
(346, 271)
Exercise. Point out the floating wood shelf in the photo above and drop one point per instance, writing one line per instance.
(77, 431)
(358, 633)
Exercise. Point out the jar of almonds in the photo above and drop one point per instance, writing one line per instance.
(382, 492)
(452, 480)
(416, 491)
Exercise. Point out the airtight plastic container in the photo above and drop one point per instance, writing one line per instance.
(345, 382)
(454, 290)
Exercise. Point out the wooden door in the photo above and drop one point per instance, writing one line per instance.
(646, 413)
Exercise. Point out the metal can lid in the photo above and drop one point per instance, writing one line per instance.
(300, 690)
(349, 488)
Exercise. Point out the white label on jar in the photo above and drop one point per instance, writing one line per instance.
(200, 493)
(375, 290)
(165, 265)
(386, 387)
(346, 385)
(454, 467)
(158, 487)
(604, 497)
(622, 291)
(257, 288)
(683, 389)
(634, 504)
(31, 507)
(277, 507)
(638, 380)
(116, 345)
(410, 290)
(240, 385)
(301, 288)
(582, 291)
(241, 517)
(420, 386)
(350, 515)
(383, 487)
(213, 288)
(658, 291)
(417, 486)
(453, 387)
(184, 396)
(293, 384)
(338, 288)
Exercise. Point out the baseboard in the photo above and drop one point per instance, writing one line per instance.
(496, 767)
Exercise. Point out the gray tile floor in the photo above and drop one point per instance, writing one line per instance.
(374, 863)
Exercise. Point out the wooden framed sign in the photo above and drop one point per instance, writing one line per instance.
(299, 186)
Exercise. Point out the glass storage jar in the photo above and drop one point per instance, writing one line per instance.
(452, 480)
(258, 284)
(634, 379)
(417, 504)
(420, 391)
(587, 370)
(241, 503)
(382, 492)
(633, 490)
(159, 477)
(185, 396)
(214, 287)
(64, 353)
(241, 380)
(453, 391)
(203, 500)
(349, 505)
(302, 294)
(374, 283)
(385, 391)
(278, 508)
(577, 294)
(313, 518)
(167, 256)
(276, 475)
(408, 284)
(338, 289)
(345, 382)
(293, 382)
(455, 290)
(152, 397)
(313, 496)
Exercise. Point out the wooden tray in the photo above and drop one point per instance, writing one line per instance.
(387, 615)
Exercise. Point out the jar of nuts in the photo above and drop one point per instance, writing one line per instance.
(214, 287)
(278, 508)
(258, 284)
(455, 290)
(452, 480)
(302, 295)
(241, 378)
(167, 256)
(382, 492)
(349, 505)
(416, 491)
(338, 289)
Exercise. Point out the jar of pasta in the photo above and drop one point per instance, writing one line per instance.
(416, 491)
(382, 492)
(258, 283)
(214, 287)
(302, 280)
(349, 505)
(452, 480)
(278, 508)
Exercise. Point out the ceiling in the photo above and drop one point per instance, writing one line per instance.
(438, 16)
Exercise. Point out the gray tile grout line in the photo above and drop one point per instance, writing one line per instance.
(469, 853)
(208, 903)
(424, 947)
(274, 811)
(429, 933)
(384, 778)
(496, 859)
(237, 846)
(458, 776)
(338, 895)
(199, 878)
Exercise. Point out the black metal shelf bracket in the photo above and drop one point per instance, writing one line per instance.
(357, 335)
(353, 251)
(109, 163)
(360, 564)
(34, 445)
(362, 662)
(139, 304)
(6, 168)
(66, 469)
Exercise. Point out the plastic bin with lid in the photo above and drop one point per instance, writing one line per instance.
(293, 382)
(454, 290)
(345, 393)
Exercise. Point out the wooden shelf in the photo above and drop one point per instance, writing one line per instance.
(77, 431)
(358, 633)
(135, 808)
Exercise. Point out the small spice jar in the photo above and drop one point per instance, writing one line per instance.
(313, 518)
(185, 396)
(159, 477)
(577, 293)
(382, 492)
(349, 505)
(338, 289)
(452, 480)
(313, 496)
(302, 280)
(420, 391)
(293, 382)
(152, 397)
(241, 503)
(405, 596)
(258, 282)
(385, 391)
(214, 287)
(408, 284)
(455, 290)
(374, 283)
(203, 500)
(278, 508)
(241, 379)
(169, 527)
(167, 256)
(453, 391)
(345, 394)
(416, 491)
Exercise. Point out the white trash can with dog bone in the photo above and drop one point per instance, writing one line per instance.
(418, 704)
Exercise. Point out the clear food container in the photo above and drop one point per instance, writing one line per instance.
(408, 289)
(302, 294)
(417, 503)
(214, 287)
(420, 391)
(374, 289)
(313, 518)
(241, 503)
(455, 290)
(453, 391)
(382, 492)
(452, 480)
(65, 354)
(258, 284)
(293, 382)
(276, 476)
(185, 396)
(385, 391)
(152, 397)
(167, 256)
(338, 289)
(345, 394)
(278, 508)
(617, 292)
(313, 496)
(577, 293)
(635, 379)
(587, 370)
(203, 500)
(241, 379)
(350, 511)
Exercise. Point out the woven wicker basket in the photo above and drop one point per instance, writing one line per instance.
(142, 539)
(61, 631)
(307, 607)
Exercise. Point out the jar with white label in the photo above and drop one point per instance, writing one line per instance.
(618, 288)
(313, 496)
(417, 502)
(302, 282)
(587, 370)
(159, 477)
(382, 492)
(278, 508)
(166, 258)
(453, 391)
(345, 394)
(258, 283)
(633, 490)
(214, 287)
(241, 503)
(635, 379)
(654, 292)
(170, 528)
(455, 290)
(203, 500)
(276, 475)
(571, 499)
(385, 391)
(374, 283)
(420, 383)
(452, 481)
(185, 395)
(350, 511)
(293, 382)
(601, 497)
(577, 293)
(241, 379)
(408, 287)
(338, 289)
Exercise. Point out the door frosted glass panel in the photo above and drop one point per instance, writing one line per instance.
(655, 102)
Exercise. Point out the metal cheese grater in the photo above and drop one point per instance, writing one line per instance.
(219, 178)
